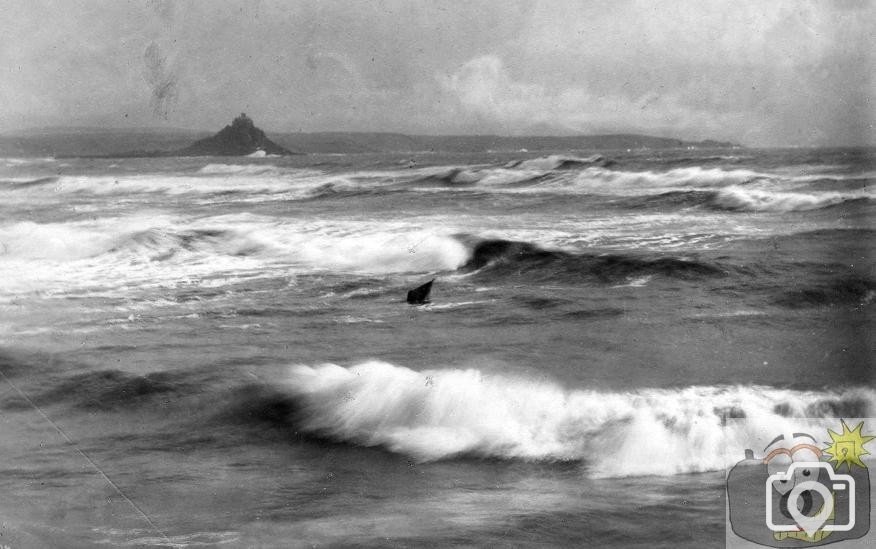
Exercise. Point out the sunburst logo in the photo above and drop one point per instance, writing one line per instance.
(847, 448)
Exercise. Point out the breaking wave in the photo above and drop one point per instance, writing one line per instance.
(239, 169)
(693, 176)
(161, 244)
(497, 258)
(731, 189)
(357, 246)
(212, 179)
(735, 198)
(480, 178)
(168, 185)
(441, 414)
(759, 200)
(558, 162)
(160, 249)
(561, 175)
(728, 189)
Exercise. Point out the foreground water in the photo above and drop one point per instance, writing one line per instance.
(209, 351)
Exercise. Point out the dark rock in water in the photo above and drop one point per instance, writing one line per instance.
(420, 295)
(240, 138)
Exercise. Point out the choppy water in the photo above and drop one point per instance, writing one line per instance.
(227, 341)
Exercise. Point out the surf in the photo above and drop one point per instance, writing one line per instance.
(499, 258)
(440, 414)
(762, 200)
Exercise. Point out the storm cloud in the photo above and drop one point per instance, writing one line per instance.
(763, 73)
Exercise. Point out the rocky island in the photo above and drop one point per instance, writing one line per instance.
(240, 138)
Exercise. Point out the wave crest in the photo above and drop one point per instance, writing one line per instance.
(558, 162)
(238, 169)
(440, 414)
(759, 200)
(507, 257)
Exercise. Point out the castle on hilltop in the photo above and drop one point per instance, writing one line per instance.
(240, 138)
(242, 121)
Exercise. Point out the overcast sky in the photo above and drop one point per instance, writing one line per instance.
(763, 72)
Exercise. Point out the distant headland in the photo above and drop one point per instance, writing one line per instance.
(243, 138)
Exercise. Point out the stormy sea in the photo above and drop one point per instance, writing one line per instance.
(218, 352)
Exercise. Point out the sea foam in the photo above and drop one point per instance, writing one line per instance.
(447, 413)
(164, 249)
(738, 198)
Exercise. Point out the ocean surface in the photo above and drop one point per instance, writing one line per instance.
(217, 352)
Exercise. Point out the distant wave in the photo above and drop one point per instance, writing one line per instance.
(693, 176)
(561, 175)
(667, 199)
(338, 188)
(161, 247)
(698, 159)
(216, 182)
(677, 188)
(238, 169)
(498, 258)
(513, 174)
(485, 178)
(13, 161)
(447, 413)
(736, 198)
(558, 162)
(23, 183)
(167, 184)
(757, 200)
(738, 189)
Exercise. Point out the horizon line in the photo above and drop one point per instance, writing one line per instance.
(169, 129)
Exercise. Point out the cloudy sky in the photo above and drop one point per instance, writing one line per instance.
(764, 72)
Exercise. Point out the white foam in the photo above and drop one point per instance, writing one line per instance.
(239, 169)
(17, 161)
(252, 179)
(160, 250)
(552, 162)
(439, 414)
(265, 181)
(635, 282)
(542, 178)
(657, 182)
(60, 241)
(170, 185)
(739, 198)
(488, 178)
(367, 247)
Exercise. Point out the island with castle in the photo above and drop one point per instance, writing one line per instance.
(240, 138)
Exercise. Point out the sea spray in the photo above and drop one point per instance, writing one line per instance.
(440, 414)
